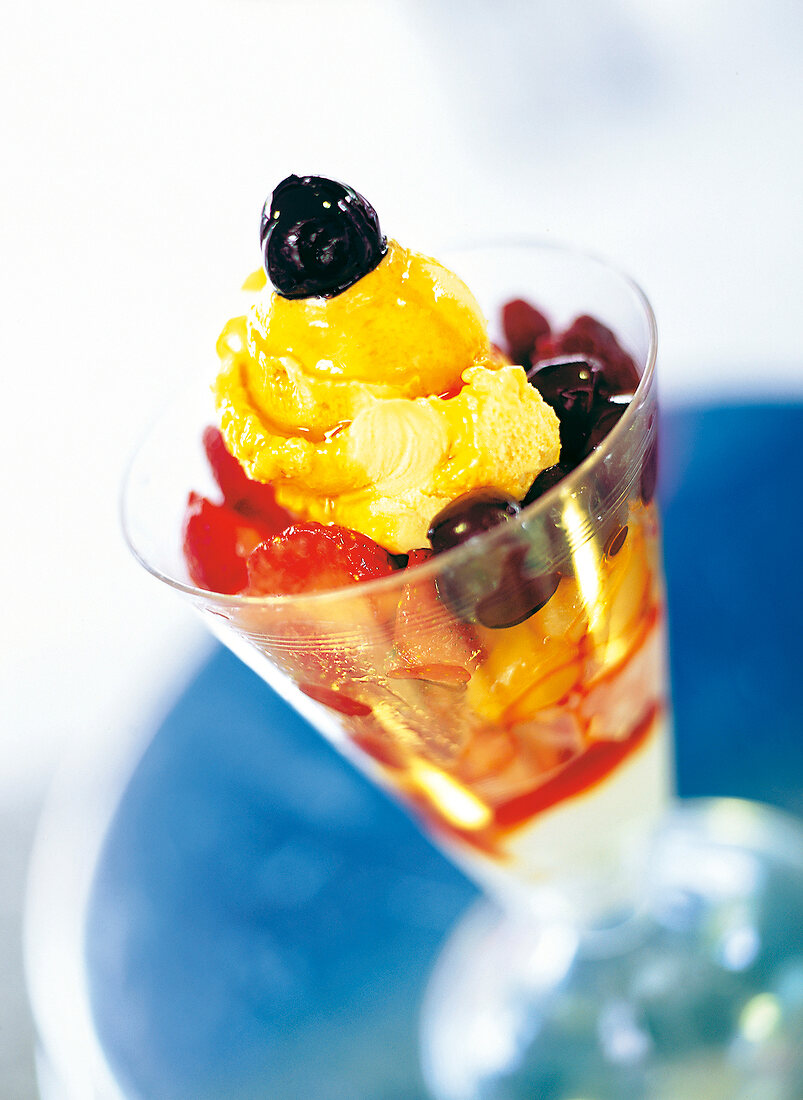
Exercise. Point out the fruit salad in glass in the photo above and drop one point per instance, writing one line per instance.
(428, 518)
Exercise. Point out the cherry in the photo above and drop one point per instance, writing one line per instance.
(649, 471)
(518, 595)
(588, 337)
(494, 589)
(569, 385)
(523, 325)
(546, 480)
(318, 237)
(606, 414)
(470, 514)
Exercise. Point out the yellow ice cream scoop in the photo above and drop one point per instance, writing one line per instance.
(375, 404)
(410, 324)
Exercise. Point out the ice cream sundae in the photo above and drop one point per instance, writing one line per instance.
(443, 531)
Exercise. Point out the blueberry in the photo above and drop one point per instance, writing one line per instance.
(318, 237)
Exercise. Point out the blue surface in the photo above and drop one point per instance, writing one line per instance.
(733, 524)
(263, 921)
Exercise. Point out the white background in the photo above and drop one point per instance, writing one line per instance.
(138, 144)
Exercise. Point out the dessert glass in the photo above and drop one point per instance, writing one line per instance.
(512, 691)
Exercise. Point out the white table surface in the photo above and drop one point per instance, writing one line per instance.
(140, 142)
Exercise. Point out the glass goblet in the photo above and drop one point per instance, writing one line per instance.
(512, 691)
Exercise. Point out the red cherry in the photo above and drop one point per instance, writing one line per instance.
(588, 337)
(523, 325)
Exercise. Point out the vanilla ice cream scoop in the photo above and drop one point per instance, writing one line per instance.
(375, 405)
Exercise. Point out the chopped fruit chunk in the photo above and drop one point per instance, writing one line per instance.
(546, 692)
(430, 643)
(337, 701)
(523, 325)
(517, 659)
(487, 753)
(552, 739)
(217, 541)
(251, 498)
(311, 557)
(448, 675)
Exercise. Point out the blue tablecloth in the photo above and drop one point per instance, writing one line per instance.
(263, 921)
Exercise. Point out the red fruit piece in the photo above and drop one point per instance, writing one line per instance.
(217, 541)
(312, 557)
(251, 498)
(523, 325)
(353, 708)
(589, 337)
(430, 643)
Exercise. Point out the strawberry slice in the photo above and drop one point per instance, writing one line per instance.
(217, 540)
(523, 325)
(251, 498)
(431, 644)
(312, 557)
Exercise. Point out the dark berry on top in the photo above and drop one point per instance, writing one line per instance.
(318, 237)
(470, 514)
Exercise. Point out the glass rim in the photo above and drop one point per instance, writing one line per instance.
(430, 569)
